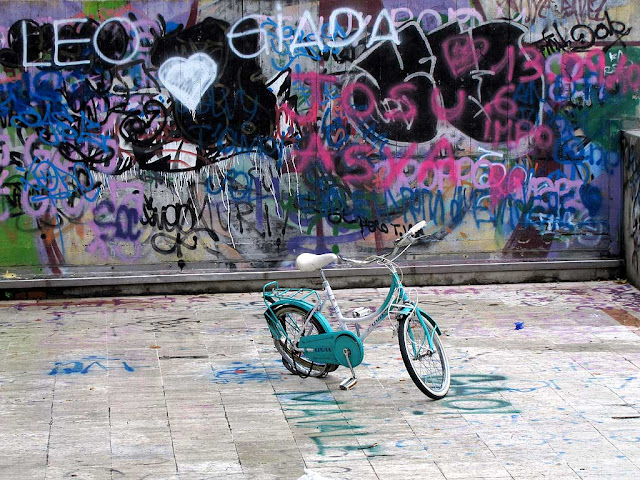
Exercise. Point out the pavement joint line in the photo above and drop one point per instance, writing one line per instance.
(106, 341)
(289, 425)
(166, 406)
(53, 398)
(226, 416)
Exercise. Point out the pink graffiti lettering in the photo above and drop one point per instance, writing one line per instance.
(360, 170)
(399, 106)
(395, 165)
(514, 133)
(347, 95)
(534, 61)
(569, 73)
(315, 82)
(460, 53)
(439, 158)
(5, 158)
(314, 152)
(355, 158)
(448, 114)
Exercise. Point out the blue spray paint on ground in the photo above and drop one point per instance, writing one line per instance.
(240, 373)
(85, 365)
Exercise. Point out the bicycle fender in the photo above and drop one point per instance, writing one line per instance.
(307, 307)
(424, 315)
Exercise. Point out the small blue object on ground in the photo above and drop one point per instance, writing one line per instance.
(519, 325)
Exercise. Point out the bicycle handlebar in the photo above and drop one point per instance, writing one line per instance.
(356, 262)
(416, 228)
(401, 241)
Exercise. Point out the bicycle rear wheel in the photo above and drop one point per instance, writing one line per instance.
(429, 369)
(290, 321)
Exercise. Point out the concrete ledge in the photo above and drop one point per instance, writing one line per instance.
(203, 281)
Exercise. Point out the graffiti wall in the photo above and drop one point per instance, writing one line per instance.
(631, 204)
(240, 134)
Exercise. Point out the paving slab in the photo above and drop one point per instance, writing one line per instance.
(191, 387)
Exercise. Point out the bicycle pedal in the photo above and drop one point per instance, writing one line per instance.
(348, 383)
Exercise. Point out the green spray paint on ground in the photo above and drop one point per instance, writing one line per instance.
(326, 422)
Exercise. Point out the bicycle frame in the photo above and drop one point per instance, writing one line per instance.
(396, 302)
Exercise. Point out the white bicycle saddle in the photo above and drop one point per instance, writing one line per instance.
(308, 262)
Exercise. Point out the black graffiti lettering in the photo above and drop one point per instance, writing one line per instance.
(583, 36)
(181, 217)
(167, 244)
(180, 226)
(371, 226)
(612, 28)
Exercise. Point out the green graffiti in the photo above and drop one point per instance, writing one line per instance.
(327, 423)
(323, 448)
(23, 249)
(94, 8)
(321, 396)
(467, 394)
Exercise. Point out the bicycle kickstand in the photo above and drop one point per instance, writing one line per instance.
(348, 383)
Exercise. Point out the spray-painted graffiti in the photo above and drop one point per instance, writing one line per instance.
(87, 364)
(478, 394)
(333, 433)
(133, 134)
(581, 37)
(241, 373)
(573, 10)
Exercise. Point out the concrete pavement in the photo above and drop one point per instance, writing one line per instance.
(191, 387)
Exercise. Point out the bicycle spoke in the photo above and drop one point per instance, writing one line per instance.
(428, 368)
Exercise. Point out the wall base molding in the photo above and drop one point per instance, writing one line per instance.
(202, 281)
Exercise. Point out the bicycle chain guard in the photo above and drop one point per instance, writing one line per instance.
(329, 348)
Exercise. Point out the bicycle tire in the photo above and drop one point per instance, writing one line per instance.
(428, 369)
(290, 319)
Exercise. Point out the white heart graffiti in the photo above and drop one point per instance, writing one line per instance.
(188, 78)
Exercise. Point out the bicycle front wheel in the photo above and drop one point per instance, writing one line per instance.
(428, 368)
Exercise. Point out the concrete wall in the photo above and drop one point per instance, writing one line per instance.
(175, 135)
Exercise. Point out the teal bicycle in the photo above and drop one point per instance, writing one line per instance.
(311, 348)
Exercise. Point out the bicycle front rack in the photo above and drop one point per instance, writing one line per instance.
(403, 302)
